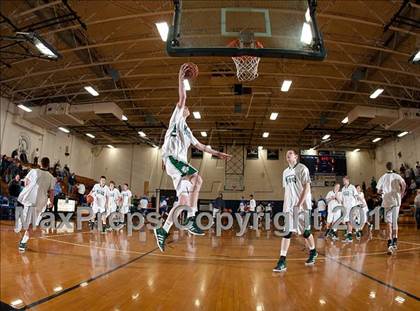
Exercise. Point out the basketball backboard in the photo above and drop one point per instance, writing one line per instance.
(278, 29)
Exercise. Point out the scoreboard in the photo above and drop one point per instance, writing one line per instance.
(326, 162)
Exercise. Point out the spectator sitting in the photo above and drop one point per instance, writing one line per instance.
(15, 187)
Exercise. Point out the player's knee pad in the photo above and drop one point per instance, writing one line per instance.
(288, 236)
(185, 187)
(306, 233)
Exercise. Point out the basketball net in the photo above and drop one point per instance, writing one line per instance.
(246, 66)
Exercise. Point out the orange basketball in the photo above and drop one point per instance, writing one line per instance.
(89, 199)
(192, 71)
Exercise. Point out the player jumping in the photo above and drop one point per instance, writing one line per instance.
(187, 182)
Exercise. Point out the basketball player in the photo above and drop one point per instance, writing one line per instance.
(362, 202)
(100, 193)
(333, 198)
(39, 185)
(350, 199)
(126, 201)
(187, 182)
(114, 198)
(297, 205)
(392, 187)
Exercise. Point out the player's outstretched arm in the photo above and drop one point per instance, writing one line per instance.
(181, 88)
(208, 149)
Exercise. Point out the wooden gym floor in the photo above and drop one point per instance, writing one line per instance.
(91, 271)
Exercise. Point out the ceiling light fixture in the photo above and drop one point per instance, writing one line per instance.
(91, 91)
(24, 108)
(376, 93)
(163, 29)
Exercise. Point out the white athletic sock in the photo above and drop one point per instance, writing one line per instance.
(193, 211)
(169, 221)
(284, 247)
(25, 237)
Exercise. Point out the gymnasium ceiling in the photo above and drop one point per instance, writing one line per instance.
(122, 55)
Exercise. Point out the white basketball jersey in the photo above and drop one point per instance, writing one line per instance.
(99, 194)
(114, 196)
(178, 137)
(390, 185)
(350, 195)
(294, 179)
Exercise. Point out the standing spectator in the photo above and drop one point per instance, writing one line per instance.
(66, 170)
(71, 182)
(35, 156)
(364, 187)
(252, 210)
(269, 209)
(417, 207)
(402, 170)
(15, 154)
(81, 189)
(144, 202)
(413, 186)
(15, 187)
(322, 209)
(4, 165)
(23, 157)
(373, 184)
(218, 205)
(163, 207)
(242, 205)
(57, 191)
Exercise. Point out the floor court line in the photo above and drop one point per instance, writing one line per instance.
(221, 258)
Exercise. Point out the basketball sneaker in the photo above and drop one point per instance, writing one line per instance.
(22, 246)
(394, 243)
(348, 239)
(281, 265)
(390, 248)
(161, 235)
(358, 235)
(91, 224)
(334, 236)
(313, 254)
(192, 226)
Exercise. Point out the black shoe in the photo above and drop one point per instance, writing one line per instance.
(313, 254)
(22, 246)
(281, 265)
(192, 227)
(395, 243)
(161, 235)
(91, 224)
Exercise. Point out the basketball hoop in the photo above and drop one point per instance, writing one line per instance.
(246, 66)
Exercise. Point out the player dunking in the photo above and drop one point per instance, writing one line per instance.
(187, 182)
(297, 205)
(392, 187)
